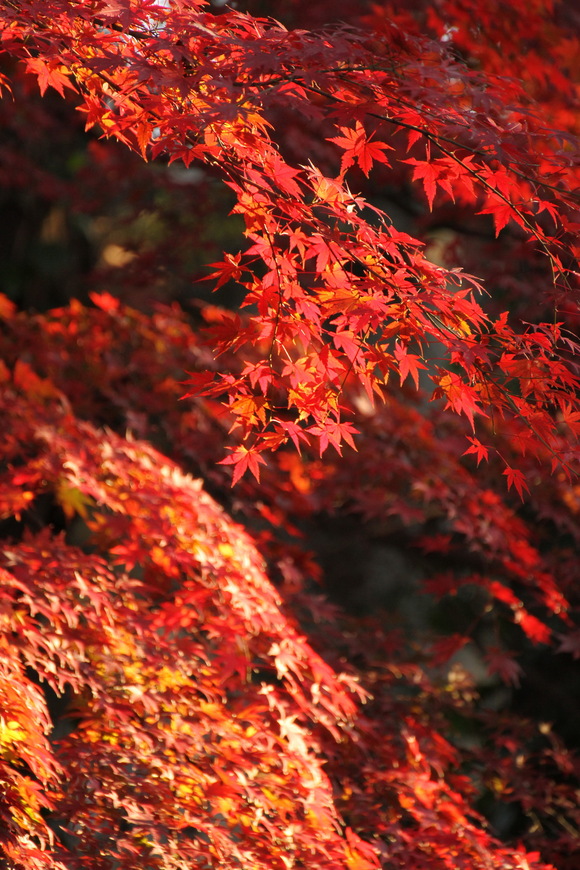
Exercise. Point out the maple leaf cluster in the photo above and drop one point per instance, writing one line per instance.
(341, 294)
(400, 367)
(163, 700)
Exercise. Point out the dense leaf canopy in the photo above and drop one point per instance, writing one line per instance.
(390, 375)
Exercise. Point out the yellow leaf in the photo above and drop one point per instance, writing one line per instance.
(72, 500)
(226, 550)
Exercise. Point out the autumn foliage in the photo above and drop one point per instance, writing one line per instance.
(394, 352)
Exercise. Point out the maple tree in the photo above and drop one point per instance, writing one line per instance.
(178, 690)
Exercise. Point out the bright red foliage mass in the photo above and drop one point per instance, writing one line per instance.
(175, 690)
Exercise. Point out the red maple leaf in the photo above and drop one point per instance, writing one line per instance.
(244, 459)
